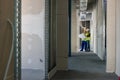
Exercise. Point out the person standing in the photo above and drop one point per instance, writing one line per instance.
(84, 43)
(87, 40)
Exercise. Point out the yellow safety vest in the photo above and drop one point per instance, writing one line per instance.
(87, 38)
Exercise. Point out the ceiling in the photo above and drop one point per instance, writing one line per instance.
(86, 7)
(86, 4)
(91, 4)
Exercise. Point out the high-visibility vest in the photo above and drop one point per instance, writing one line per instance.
(87, 37)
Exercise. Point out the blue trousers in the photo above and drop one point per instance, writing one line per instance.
(83, 45)
(88, 45)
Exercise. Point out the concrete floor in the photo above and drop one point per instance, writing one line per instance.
(85, 66)
(32, 74)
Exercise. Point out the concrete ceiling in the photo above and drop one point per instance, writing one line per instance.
(86, 9)
(86, 4)
(91, 1)
(91, 4)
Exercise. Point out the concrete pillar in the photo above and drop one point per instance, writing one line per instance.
(111, 35)
(62, 34)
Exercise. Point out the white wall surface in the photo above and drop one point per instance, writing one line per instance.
(118, 38)
(33, 24)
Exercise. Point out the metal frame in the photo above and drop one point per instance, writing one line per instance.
(17, 40)
(46, 38)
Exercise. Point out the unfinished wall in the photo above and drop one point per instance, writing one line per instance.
(6, 36)
(62, 34)
(33, 41)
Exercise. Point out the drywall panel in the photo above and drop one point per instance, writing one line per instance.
(33, 38)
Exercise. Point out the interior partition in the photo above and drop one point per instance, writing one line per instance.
(33, 39)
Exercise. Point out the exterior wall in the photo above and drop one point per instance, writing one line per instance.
(111, 35)
(118, 38)
(33, 25)
(62, 34)
(74, 29)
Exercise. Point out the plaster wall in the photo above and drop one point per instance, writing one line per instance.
(33, 24)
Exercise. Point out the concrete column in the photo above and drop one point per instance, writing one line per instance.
(62, 34)
(111, 35)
